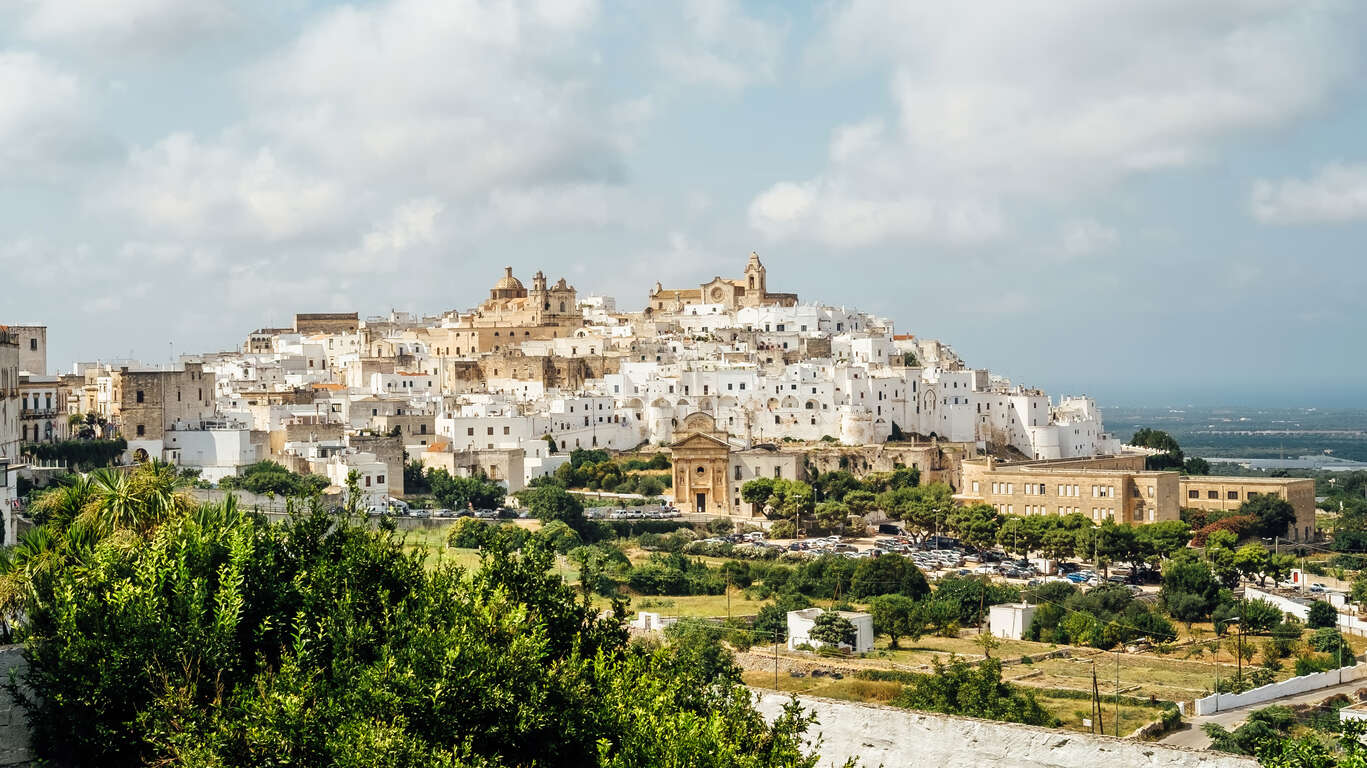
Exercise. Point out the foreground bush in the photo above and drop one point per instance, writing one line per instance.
(208, 637)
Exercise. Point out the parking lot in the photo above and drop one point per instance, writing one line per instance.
(942, 556)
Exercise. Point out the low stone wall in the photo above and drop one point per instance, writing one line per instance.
(1219, 702)
(894, 737)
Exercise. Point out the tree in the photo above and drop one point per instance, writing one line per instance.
(268, 477)
(475, 492)
(1171, 456)
(886, 575)
(924, 509)
(1189, 591)
(771, 623)
(1322, 614)
(832, 515)
(833, 629)
(1272, 514)
(1196, 466)
(757, 492)
(551, 502)
(1251, 560)
(897, 616)
(973, 690)
(211, 637)
(976, 525)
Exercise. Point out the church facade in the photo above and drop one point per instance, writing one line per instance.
(751, 290)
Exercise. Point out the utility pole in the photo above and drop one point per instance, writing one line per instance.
(1117, 693)
(1096, 701)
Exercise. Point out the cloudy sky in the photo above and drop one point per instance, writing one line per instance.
(1150, 201)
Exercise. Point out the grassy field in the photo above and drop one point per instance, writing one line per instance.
(1070, 711)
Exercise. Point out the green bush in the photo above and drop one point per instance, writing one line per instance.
(203, 636)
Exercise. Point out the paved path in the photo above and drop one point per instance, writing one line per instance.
(1192, 736)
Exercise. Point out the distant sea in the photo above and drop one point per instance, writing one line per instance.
(1264, 438)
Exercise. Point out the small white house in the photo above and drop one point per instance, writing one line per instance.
(800, 624)
(652, 622)
(1010, 620)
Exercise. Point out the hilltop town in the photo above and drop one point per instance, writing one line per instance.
(735, 381)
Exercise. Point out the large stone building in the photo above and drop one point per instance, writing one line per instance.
(1118, 488)
(751, 290)
(148, 404)
(1229, 493)
(1110, 490)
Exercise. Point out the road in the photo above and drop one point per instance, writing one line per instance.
(1196, 738)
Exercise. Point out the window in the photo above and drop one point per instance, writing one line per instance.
(33, 344)
(975, 486)
(778, 472)
(1212, 494)
(379, 478)
(470, 431)
(141, 430)
(1151, 491)
(140, 396)
(1193, 494)
(701, 470)
(1232, 495)
(367, 481)
(489, 430)
(737, 471)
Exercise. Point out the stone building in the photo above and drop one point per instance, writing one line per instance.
(147, 404)
(9, 394)
(709, 472)
(326, 322)
(1123, 495)
(751, 290)
(1210, 492)
(42, 409)
(32, 348)
(512, 304)
(701, 458)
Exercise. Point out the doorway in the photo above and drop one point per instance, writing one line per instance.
(702, 503)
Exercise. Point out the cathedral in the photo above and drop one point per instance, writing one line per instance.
(749, 291)
(510, 303)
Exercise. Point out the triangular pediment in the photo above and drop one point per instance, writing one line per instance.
(700, 440)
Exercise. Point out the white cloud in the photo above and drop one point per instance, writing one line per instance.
(412, 225)
(370, 106)
(132, 27)
(1082, 237)
(722, 46)
(45, 125)
(129, 26)
(1338, 193)
(223, 189)
(999, 105)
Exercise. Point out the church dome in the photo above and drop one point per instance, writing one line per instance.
(508, 287)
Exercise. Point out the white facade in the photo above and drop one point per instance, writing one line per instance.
(1010, 621)
(801, 623)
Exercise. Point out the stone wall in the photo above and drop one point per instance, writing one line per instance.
(888, 736)
(14, 736)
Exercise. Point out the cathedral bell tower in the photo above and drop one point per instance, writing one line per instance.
(755, 287)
